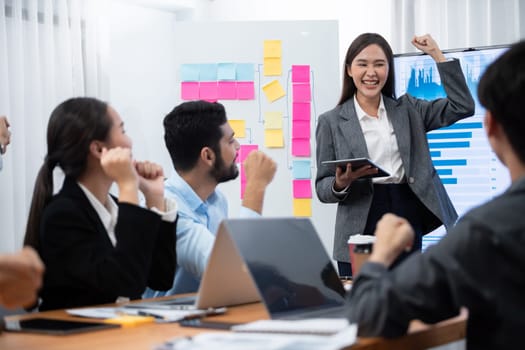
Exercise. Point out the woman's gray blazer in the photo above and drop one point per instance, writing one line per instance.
(339, 136)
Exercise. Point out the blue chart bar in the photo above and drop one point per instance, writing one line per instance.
(460, 152)
(460, 126)
(450, 135)
(463, 144)
(450, 181)
(449, 162)
(444, 171)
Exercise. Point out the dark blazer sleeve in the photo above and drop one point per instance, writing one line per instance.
(325, 150)
(164, 259)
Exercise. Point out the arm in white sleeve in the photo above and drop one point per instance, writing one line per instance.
(171, 210)
(248, 213)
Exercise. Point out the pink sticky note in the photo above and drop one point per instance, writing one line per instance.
(189, 91)
(209, 91)
(301, 93)
(302, 189)
(301, 111)
(300, 74)
(300, 129)
(245, 90)
(301, 147)
(245, 150)
(227, 90)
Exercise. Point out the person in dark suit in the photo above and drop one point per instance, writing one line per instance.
(479, 265)
(98, 248)
(370, 122)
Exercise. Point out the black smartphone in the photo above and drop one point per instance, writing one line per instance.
(55, 326)
(199, 323)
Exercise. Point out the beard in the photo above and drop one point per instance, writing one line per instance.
(221, 172)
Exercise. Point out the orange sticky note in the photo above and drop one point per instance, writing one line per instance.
(272, 48)
(238, 126)
(130, 320)
(273, 138)
(302, 207)
(272, 66)
(273, 90)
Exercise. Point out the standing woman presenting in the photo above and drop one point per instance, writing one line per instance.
(98, 248)
(370, 122)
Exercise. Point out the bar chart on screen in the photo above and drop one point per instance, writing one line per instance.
(461, 154)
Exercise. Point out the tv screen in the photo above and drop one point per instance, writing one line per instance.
(470, 171)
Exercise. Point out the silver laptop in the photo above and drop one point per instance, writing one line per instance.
(280, 261)
(289, 265)
(226, 281)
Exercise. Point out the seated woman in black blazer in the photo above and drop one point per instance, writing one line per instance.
(97, 248)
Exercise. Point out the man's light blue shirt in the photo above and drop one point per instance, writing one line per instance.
(196, 229)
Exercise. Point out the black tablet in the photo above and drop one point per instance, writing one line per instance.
(199, 323)
(356, 164)
(54, 326)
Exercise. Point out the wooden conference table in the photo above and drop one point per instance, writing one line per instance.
(149, 335)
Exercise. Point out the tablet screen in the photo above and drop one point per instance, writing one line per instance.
(356, 164)
(54, 326)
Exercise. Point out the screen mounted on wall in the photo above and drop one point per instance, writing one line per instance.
(470, 171)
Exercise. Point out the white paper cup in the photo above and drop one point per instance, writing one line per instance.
(359, 247)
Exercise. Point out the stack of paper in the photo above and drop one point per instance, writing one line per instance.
(267, 341)
(320, 326)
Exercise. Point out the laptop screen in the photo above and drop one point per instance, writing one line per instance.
(288, 263)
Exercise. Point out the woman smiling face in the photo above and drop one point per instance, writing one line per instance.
(369, 71)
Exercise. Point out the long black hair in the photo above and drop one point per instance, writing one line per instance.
(72, 126)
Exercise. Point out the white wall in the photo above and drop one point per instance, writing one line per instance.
(142, 75)
(355, 17)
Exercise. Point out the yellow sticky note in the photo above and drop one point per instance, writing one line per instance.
(272, 48)
(273, 90)
(274, 138)
(302, 207)
(130, 320)
(272, 66)
(239, 127)
(273, 120)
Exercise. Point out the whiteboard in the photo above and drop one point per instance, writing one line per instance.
(313, 43)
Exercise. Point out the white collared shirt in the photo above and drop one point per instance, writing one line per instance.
(381, 143)
(108, 215)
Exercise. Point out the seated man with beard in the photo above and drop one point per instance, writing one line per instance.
(203, 150)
